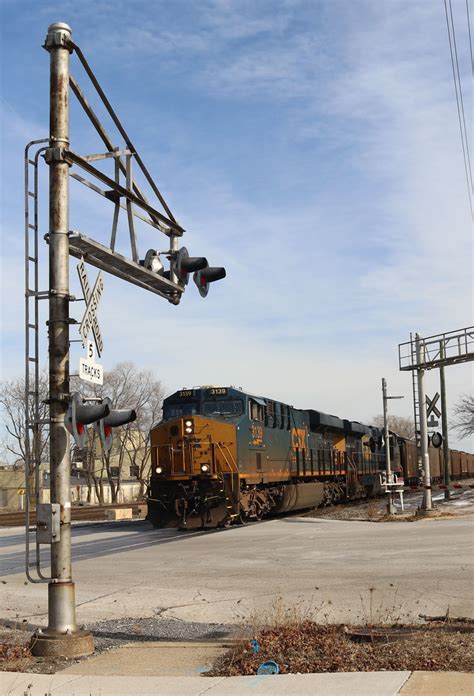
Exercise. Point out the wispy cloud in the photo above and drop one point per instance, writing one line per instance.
(310, 147)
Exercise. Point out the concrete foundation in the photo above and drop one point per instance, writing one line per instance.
(77, 644)
(119, 514)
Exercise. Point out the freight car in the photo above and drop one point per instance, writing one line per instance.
(461, 464)
(221, 455)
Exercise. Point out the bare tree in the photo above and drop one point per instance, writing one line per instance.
(13, 404)
(405, 427)
(128, 387)
(463, 412)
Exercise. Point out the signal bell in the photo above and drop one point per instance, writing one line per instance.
(152, 262)
(208, 275)
(112, 419)
(79, 415)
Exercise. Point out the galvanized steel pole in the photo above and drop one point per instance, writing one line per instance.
(390, 505)
(62, 636)
(425, 460)
(444, 422)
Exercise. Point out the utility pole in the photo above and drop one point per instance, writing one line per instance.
(426, 504)
(62, 636)
(390, 505)
(444, 422)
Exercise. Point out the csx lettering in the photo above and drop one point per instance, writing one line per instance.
(298, 438)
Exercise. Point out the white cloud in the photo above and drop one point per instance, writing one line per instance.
(322, 284)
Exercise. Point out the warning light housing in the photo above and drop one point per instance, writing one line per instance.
(113, 419)
(206, 276)
(79, 415)
(185, 264)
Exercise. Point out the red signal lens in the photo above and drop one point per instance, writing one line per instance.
(107, 430)
(80, 428)
(203, 282)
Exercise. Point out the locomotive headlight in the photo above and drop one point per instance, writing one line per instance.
(188, 427)
(159, 470)
(189, 424)
(189, 430)
(205, 468)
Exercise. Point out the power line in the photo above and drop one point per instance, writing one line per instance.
(460, 92)
(470, 39)
(459, 103)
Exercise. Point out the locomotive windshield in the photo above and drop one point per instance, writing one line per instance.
(191, 408)
(222, 408)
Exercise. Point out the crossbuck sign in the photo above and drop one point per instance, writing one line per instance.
(89, 320)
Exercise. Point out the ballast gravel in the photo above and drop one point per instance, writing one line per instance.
(114, 632)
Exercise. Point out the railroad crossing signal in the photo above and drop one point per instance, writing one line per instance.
(79, 415)
(431, 406)
(113, 419)
(99, 412)
(89, 320)
(185, 264)
(208, 275)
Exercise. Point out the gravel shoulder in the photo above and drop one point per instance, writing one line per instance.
(460, 504)
(15, 653)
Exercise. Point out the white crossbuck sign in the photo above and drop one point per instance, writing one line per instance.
(89, 320)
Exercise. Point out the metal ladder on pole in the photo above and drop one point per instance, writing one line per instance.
(416, 402)
(33, 295)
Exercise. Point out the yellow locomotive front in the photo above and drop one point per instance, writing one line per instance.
(194, 478)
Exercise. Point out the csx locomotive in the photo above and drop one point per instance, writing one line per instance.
(223, 456)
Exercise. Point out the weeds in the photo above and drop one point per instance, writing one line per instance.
(301, 639)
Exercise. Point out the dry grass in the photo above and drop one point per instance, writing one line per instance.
(14, 657)
(301, 639)
(308, 647)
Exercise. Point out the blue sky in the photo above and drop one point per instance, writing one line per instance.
(310, 147)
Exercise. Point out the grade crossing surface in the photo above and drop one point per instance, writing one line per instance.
(330, 569)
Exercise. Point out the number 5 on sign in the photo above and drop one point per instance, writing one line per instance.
(89, 370)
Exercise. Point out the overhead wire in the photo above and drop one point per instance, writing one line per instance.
(459, 102)
(470, 39)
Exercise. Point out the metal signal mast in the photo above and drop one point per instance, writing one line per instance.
(62, 637)
(420, 354)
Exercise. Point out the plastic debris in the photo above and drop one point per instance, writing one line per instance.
(269, 667)
(255, 645)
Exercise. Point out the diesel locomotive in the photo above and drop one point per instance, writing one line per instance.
(222, 456)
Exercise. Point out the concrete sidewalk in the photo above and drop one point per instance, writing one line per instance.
(328, 684)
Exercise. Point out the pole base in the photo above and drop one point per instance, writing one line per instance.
(76, 644)
(427, 513)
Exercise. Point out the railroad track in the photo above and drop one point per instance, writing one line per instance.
(87, 513)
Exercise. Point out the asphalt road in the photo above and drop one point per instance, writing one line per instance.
(329, 569)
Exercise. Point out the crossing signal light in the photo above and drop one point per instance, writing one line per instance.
(79, 415)
(208, 275)
(112, 419)
(186, 264)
